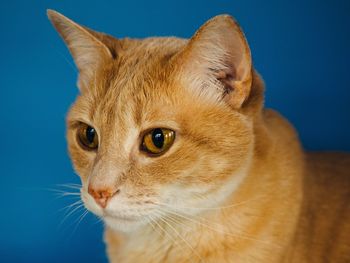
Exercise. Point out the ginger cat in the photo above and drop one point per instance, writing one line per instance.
(178, 156)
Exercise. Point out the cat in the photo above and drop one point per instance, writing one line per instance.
(180, 159)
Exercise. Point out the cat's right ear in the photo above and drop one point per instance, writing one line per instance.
(85, 45)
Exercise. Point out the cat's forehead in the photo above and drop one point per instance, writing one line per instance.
(135, 87)
(138, 63)
(140, 48)
(139, 57)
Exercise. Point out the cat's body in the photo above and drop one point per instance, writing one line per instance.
(233, 184)
(323, 230)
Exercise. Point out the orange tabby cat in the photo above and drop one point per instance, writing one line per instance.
(179, 158)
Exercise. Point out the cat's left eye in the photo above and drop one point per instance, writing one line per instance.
(157, 141)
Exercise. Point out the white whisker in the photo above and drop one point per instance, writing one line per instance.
(179, 235)
(152, 223)
(70, 185)
(164, 230)
(70, 213)
(215, 207)
(218, 229)
(80, 219)
(71, 205)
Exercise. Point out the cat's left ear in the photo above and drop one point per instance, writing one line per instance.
(88, 48)
(218, 57)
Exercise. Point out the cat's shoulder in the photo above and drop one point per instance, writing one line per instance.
(330, 171)
(324, 228)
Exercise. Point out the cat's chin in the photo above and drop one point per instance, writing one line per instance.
(124, 225)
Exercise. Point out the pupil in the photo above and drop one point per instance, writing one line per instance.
(158, 138)
(90, 134)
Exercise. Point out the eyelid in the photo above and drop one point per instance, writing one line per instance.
(74, 124)
(166, 124)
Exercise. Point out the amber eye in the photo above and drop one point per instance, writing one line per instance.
(87, 137)
(157, 141)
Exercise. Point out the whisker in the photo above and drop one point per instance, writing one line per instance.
(80, 219)
(161, 233)
(70, 213)
(216, 207)
(98, 220)
(62, 194)
(153, 226)
(66, 194)
(240, 235)
(164, 231)
(179, 235)
(59, 193)
(71, 205)
(70, 185)
(176, 220)
(77, 221)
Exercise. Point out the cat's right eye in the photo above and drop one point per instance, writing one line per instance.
(87, 137)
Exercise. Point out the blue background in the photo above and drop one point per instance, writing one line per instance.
(302, 49)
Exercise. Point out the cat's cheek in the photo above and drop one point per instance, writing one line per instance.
(81, 161)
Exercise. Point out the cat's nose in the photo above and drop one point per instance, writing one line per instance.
(102, 196)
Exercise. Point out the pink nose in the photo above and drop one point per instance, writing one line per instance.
(102, 196)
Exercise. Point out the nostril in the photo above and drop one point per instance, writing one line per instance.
(108, 193)
(102, 196)
(91, 191)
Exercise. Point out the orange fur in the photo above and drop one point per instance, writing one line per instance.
(235, 186)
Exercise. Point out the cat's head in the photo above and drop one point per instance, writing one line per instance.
(161, 125)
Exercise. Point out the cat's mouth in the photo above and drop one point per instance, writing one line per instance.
(123, 223)
(119, 219)
(113, 216)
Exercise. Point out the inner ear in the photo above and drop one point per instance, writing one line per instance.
(227, 79)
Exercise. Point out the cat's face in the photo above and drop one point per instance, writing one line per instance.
(148, 140)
